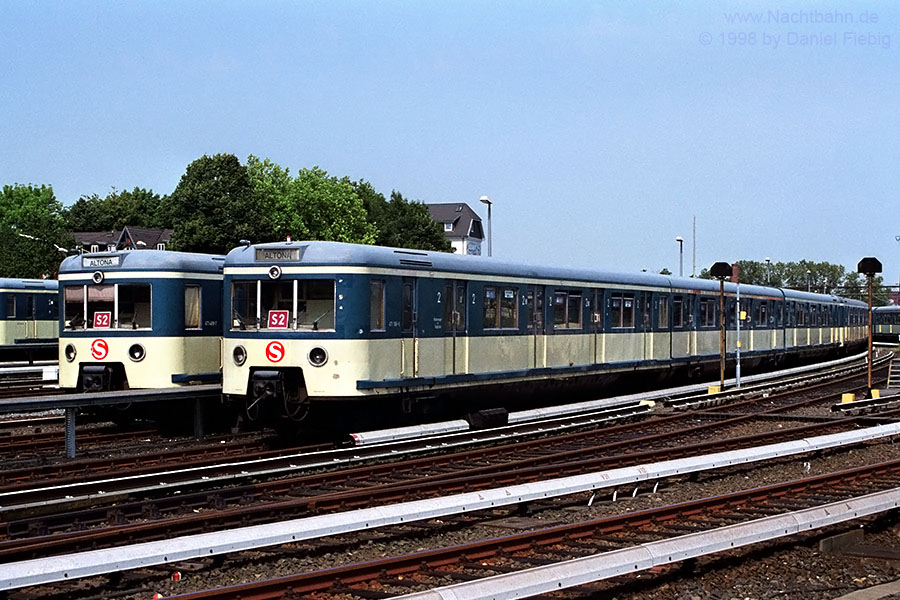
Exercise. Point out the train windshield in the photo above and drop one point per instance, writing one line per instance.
(300, 304)
(108, 306)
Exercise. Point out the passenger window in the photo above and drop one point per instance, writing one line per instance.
(243, 304)
(567, 310)
(134, 306)
(315, 304)
(376, 306)
(662, 315)
(762, 317)
(622, 310)
(101, 302)
(73, 309)
(491, 315)
(192, 307)
(678, 312)
(707, 312)
(534, 304)
(460, 302)
(10, 306)
(406, 319)
(277, 305)
(509, 309)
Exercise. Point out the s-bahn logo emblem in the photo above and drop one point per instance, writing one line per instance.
(99, 349)
(275, 351)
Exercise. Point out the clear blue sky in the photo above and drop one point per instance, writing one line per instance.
(599, 129)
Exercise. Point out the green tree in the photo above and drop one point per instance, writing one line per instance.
(137, 208)
(402, 223)
(310, 206)
(33, 234)
(214, 206)
(88, 214)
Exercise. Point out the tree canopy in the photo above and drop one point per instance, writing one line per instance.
(213, 207)
(33, 233)
(137, 208)
(402, 223)
(310, 206)
(819, 277)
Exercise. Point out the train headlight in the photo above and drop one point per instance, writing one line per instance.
(136, 353)
(239, 355)
(317, 356)
(70, 352)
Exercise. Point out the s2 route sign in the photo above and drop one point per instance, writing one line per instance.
(99, 349)
(275, 351)
(278, 319)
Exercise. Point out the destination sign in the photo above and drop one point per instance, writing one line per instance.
(277, 254)
(96, 262)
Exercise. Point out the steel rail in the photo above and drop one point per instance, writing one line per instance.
(45, 570)
(621, 533)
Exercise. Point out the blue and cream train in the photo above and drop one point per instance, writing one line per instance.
(139, 319)
(334, 330)
(886, 323)
(28, 319)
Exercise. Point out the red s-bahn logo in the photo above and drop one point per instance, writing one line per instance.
(99, 349)
(275, 351)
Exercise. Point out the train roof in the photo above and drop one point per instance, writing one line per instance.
(317, 253)
(890, 308)
(28, 284)
(143, 260)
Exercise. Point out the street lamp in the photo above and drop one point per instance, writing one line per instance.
(486, 200)
(808, 280)
(680, 241)
(768, 262)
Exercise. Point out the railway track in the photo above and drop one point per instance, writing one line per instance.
(79, 478)
(35, 532)
(552, 454)
(421, 571)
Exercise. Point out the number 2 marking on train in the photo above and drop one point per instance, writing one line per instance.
(102, 319)
(99, 349)
(275, 351)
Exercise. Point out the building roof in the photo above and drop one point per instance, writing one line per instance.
(464, 221)
(136, 238)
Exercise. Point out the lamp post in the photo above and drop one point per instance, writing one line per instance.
(868, 267)
(808, 280)
(768, 262)
(721, 271)
(680, 241)
(486, 200)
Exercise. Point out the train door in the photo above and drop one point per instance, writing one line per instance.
(409, 341)
(15, 321)
(456, 342)
(597, 326)
(534, 303)
(645, 309)
(662, 337)
(681, 326)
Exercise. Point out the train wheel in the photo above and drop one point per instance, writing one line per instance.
(296, 405)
